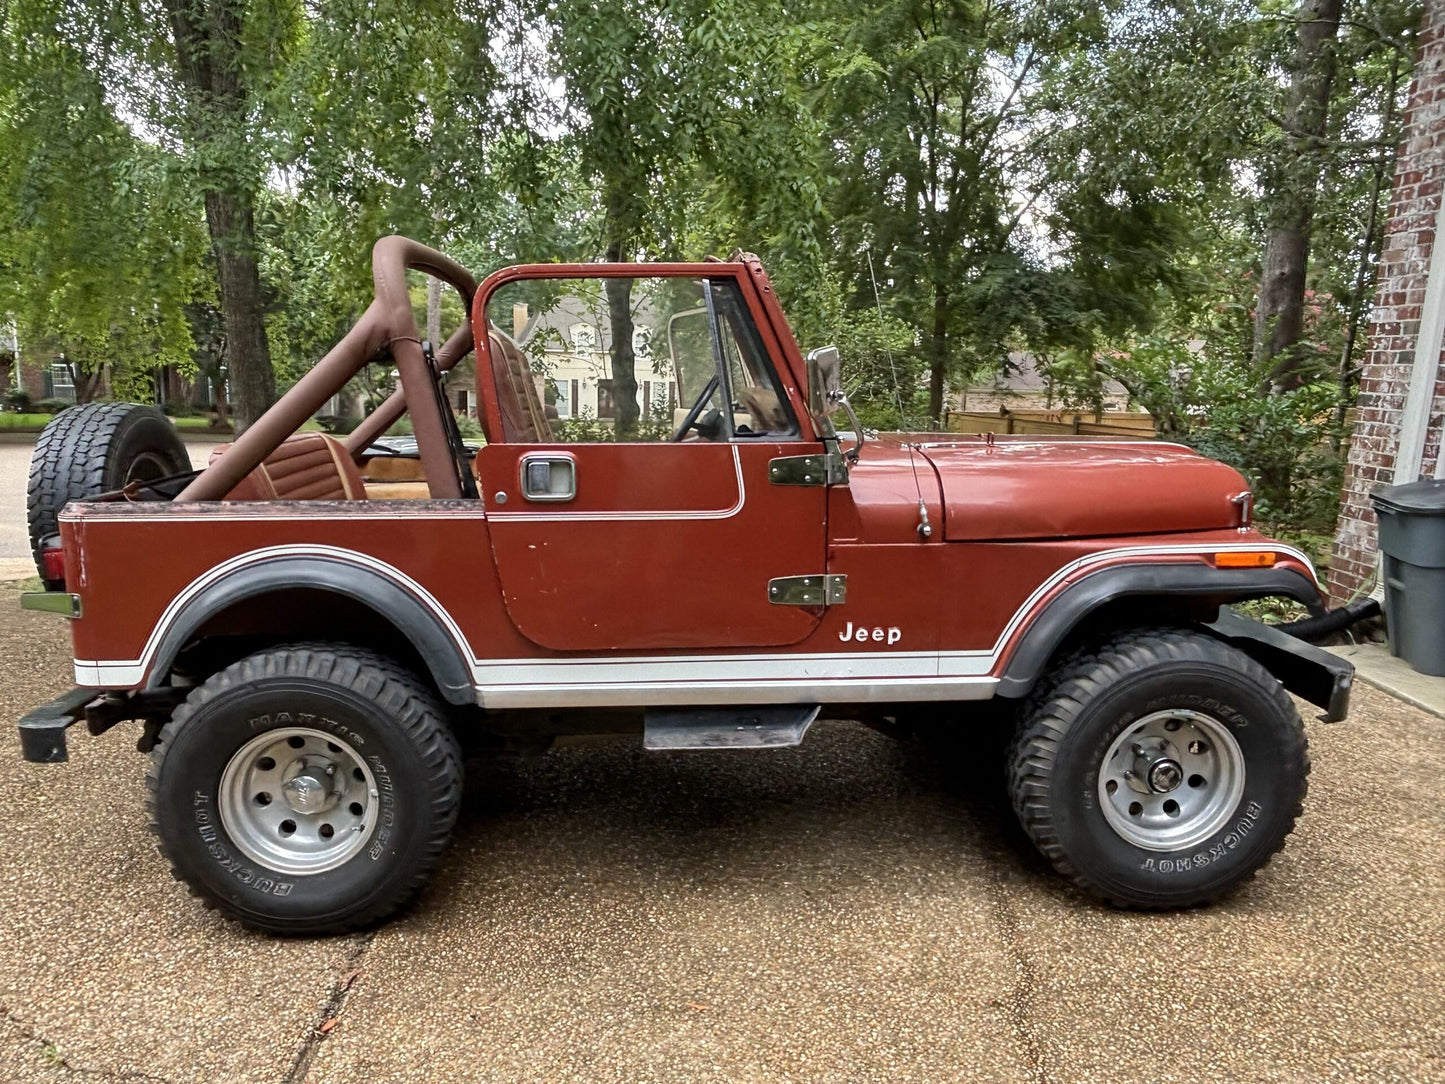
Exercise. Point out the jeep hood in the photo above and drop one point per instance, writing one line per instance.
(1006, 489)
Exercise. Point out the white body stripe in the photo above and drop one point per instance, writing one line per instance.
(827, 677)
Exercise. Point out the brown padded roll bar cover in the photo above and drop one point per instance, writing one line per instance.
(387, 322)
(384, 416)
(389, 262)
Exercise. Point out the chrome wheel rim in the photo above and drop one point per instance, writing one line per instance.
(298, 801)
(1171, 780)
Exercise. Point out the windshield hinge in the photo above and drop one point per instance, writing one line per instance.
(817, 590)
(829, 469)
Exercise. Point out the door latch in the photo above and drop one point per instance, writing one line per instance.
(549, 476)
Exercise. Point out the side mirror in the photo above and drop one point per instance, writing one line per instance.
(826, 395)
(825, 381)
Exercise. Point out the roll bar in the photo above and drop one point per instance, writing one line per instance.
(387, 325)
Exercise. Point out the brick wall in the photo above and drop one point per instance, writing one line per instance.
(1395, 320)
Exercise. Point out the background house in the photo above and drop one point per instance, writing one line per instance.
(1397, 435)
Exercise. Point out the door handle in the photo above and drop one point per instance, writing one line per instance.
(549, 476)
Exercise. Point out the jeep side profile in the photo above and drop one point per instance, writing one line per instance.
(664, 534)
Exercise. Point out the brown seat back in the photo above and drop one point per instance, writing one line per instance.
(306, 467)
(524, 421)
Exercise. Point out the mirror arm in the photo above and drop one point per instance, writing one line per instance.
(840, 399)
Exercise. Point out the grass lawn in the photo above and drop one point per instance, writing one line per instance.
(186, 425)
(23, 421)
(33, 423)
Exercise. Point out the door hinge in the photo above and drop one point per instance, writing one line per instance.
(828, 469)
(818, 590)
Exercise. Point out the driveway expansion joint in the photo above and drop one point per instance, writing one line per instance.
(331, 1009)
(1021, 990)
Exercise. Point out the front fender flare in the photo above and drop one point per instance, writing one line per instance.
(445, 657)
(1072, 606)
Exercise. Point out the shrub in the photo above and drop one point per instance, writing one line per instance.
(337, 423)
(18, 400)
(50, 406)
(469, 427)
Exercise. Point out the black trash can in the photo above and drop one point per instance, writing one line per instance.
(1412, 542)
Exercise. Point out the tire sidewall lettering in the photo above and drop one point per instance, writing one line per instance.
(1238, 844)
(213, 735)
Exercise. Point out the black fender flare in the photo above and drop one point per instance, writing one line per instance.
(390, 599)
(1072, 606)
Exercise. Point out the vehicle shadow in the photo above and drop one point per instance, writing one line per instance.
(848, 805)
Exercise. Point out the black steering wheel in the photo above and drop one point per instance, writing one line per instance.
(697, 408)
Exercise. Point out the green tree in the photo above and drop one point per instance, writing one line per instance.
(100, 246)
(930, 111)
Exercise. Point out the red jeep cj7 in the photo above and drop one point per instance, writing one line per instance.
(309, 625)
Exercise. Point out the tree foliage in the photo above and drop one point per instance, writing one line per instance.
(937, 185)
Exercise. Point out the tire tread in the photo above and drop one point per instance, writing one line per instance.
(400, 693)
(1057, 701)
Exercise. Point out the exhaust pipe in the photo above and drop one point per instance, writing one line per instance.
(1312, 629)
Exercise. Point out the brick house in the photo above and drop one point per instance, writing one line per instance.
(1398, 432)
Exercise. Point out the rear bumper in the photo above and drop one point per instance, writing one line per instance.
(1309, 672)
(42, 731)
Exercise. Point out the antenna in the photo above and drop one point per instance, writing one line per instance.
(888, 350)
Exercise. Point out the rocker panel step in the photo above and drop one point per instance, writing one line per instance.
(728, 728)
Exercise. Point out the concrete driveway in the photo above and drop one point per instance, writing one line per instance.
(853, 910)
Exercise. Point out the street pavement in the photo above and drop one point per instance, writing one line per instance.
(14, 472)
(852, 910)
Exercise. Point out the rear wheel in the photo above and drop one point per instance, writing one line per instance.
(306, 790)
(1161, 770)
(95, 448)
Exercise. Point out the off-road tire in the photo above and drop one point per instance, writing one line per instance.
(369, 704)
(95, 448)
(1078, 714)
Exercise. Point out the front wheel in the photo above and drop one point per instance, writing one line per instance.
(1161, 770)
(308, 789)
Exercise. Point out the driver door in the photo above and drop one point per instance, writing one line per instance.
(622, 534)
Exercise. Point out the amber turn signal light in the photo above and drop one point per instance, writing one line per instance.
(1249, 559)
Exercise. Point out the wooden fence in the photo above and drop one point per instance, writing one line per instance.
(1127, 424)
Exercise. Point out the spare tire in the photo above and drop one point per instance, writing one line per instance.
(95, 448)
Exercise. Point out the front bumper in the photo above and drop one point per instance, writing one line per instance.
(1309, 672)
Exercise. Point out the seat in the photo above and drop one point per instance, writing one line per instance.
(305, 467)
(524, 419)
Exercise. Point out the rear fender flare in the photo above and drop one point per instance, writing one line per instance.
(1072, 607)
(392, 600)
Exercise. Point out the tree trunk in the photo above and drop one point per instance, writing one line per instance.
(1279, 315)
(434, 311)
(938, 361)
(253, 384)
(207, 36)
(624, 361)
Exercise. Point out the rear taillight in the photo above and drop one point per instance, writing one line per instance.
(52, 563)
